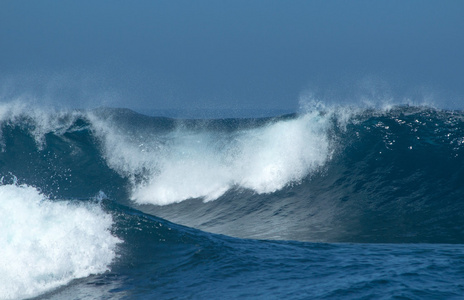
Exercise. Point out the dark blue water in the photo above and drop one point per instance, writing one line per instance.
(333, 203)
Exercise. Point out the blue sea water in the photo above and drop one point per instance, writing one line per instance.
(330, 203)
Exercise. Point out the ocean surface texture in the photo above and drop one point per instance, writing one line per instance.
(330, 203)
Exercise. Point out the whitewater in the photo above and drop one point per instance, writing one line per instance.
(331, 202)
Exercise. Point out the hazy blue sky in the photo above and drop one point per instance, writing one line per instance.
(230, 54)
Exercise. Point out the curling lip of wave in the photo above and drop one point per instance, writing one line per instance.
(186, 163)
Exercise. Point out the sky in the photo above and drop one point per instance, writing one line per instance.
(253, 54)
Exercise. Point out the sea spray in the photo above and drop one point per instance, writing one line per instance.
(46, 244)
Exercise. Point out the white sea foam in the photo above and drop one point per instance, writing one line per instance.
(46, 244)
(187, 163)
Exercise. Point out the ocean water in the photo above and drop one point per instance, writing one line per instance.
(329, 203)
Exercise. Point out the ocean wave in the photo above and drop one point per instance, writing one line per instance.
(328, 174)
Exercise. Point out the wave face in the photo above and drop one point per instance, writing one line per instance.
(330, 175)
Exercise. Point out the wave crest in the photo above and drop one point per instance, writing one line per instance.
(204, 162)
